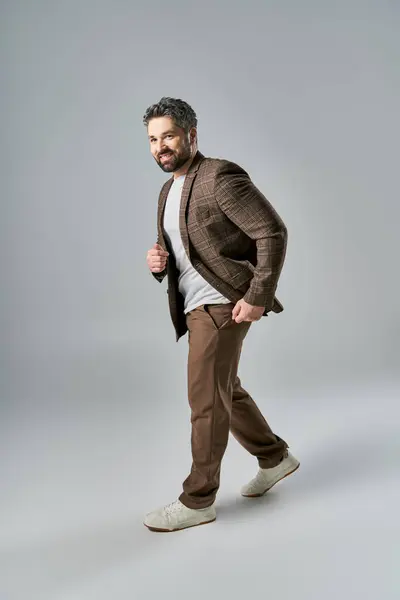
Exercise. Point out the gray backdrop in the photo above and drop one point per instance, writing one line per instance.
(94, 414)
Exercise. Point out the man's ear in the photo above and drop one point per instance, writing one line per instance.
(193, 135)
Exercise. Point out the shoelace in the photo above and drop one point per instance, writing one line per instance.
(171, 508)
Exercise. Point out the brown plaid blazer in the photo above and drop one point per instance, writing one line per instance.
(231, 233)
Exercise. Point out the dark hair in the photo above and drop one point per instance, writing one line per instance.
(180, 112)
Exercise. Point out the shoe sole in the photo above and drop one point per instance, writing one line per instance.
(271, 486)
(159, 530)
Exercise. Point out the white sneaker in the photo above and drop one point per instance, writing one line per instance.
(267, 478)
(177, 516)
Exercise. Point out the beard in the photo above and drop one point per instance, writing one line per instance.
(176, 160)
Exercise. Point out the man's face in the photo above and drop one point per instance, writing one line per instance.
(169, 144)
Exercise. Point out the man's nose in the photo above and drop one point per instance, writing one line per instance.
(161, 148)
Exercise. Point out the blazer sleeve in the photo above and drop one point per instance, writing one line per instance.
(159, 276)
(250, 210)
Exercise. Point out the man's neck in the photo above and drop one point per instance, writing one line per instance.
(183, 170)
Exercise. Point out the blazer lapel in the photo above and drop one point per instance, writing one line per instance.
(186, 190)
(161, 207)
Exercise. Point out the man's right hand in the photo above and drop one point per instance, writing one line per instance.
(157, 259)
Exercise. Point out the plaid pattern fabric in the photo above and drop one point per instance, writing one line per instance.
(232, 234)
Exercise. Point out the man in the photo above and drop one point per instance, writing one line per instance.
(222, 246)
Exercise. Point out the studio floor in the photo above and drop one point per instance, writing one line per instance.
(76, 483)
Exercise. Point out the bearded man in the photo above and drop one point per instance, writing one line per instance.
(222, 246)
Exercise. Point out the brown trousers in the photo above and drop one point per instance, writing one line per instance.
(219, 404)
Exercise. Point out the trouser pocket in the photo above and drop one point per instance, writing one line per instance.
(220, 315)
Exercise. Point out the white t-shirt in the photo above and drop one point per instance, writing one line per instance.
(193, 287)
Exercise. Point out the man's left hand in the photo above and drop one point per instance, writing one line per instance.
(243, 311)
